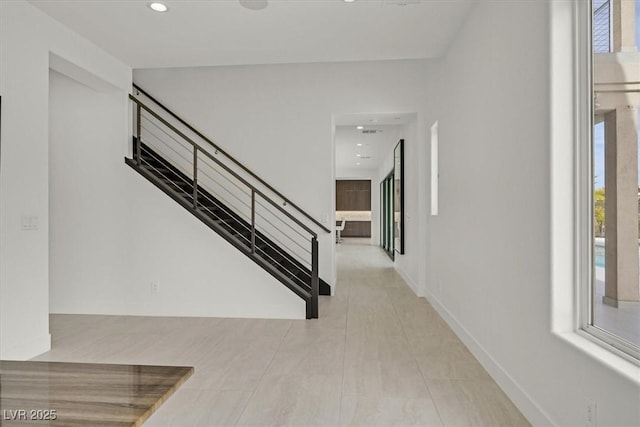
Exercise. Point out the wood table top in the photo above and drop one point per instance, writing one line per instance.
(84, 394)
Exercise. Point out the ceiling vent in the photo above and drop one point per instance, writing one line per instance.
(370, 131)
(401, 2)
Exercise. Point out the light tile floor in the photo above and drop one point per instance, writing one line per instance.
(378, 356)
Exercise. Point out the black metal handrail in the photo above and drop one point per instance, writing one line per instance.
(231, 158)
(193, 195)
(198, 147)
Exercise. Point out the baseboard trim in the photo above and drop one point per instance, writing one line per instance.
(409, 281)
(295, 311)
(28, 349)
(523, 401)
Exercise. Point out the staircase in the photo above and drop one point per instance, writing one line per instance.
(226, 196)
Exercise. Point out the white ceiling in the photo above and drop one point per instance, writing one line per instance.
(375, 147)
(222, 32)
(373, 119)
(371, 153)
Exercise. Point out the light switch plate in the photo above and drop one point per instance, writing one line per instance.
(29, 222)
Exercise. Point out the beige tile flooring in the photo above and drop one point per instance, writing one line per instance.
(378, 356)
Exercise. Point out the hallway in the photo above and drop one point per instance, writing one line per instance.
(378, 356)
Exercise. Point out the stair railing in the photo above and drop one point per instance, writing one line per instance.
(286, 201)
(232, 195)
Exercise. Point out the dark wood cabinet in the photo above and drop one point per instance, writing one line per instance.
(353, 195)
(357, 229)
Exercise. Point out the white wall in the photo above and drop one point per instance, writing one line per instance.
(490, 245)
(27, 37)
(407, 264)
(353, 173)
(277, 119)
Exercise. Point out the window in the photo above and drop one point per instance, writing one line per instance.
(610, 179)
(601, 26)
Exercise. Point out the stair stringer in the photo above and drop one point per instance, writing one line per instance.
(199, 272)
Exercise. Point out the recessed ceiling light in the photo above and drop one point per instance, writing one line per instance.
(158, 7)
(358, 155)
(359, 127)
(349, 1)
(359, 145)
(357, 164)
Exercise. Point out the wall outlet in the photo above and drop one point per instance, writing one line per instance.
(324, 218)
(155, 287)
(591, 415)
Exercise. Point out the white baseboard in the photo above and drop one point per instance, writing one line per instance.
(28, 349)
(412, 284)
(297, 310)
(523, 401)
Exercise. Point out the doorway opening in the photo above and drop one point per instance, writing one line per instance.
(365, 149)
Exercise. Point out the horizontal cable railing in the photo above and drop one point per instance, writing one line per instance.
(238, 166)
(276, 238)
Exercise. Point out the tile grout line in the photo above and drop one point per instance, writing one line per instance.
(253, 393)
(344, 355)
(415, 360)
